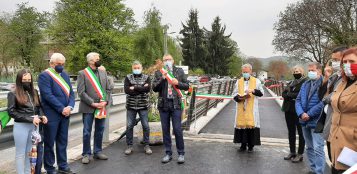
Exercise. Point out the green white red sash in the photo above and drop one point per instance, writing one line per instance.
(98, 113)
(59, 80)
(169, 76)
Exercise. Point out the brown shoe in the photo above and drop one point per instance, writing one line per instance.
(297, 159)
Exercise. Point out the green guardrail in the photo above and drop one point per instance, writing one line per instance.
(4, 119)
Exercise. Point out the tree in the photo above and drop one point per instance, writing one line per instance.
(148, 42)
(339, 20)
(300, 35)
(220, 48)
(105, 27)
(7, 45)
(193, 43)
(278, 69)
(256, 64)
(26, 26)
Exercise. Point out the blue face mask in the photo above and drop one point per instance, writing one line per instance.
(136, 71)
(168, 64)
(312, 75)
(246, 75)
(59, 68)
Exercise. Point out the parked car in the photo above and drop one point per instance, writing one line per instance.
(204, 79)
(193, 79)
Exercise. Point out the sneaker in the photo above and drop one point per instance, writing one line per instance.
(100, 156)
(128, 150)
(85, 159)
(181, 159)
(166, 158)
(147, 150)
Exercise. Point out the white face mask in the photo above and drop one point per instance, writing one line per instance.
(336, 65)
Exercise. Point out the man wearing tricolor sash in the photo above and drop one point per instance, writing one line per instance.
(93, 90)
(57, 100)
(168, 82)
(247, 121)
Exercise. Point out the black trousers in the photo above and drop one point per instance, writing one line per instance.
(292, 122)
(335, 171)
(246, 137)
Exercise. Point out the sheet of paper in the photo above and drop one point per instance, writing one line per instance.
(347, 157)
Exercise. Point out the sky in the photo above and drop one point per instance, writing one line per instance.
(250, 22)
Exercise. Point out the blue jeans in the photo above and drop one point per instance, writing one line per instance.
(175, 115)
(22, 136)
(98, 134)
(314, 149)
(131, 122)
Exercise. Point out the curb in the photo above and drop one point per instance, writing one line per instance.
(201, 122)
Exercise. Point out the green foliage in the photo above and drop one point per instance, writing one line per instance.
(197, 72)
(26, 26)
(148, 42)
(235, 65)
(95, 26)
(193, 43)
(220, 48)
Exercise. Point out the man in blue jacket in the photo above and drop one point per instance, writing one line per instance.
(308, 108)
(57, 99)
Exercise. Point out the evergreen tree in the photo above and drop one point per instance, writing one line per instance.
(193, 43)
(220, 48)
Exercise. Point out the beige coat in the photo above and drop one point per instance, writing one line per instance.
(344, 121)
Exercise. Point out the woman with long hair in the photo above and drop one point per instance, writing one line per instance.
(24, 107)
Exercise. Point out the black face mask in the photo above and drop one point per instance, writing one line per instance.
(27, 86)
(98, 63)
(297, 76)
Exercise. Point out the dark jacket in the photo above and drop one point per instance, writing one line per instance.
(309, 103)
(88, 94)
(53, 98)
(22, 113)
(137, 98)
(290, 93)
(160, 85)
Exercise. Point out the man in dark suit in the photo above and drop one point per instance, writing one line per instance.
(57, 99)
(169, 105)
(93, 90)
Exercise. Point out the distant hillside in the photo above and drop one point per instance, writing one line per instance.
(266, 61)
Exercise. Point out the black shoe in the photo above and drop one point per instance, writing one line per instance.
(242, 149)
(250, 150)
(290, 156)
(65, 171)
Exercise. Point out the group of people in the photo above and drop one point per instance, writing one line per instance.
(48, 111)
(323, 107)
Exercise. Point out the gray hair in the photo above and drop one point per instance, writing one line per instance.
(299, 68)
(57, 57)
(91, 55)
(317, 64)
(136, 62)
(247, 65)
